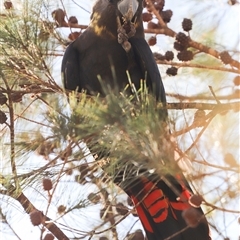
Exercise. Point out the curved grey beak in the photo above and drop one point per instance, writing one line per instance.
(128, 8)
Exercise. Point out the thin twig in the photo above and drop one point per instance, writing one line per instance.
(29, 207)
(9, 225)
(214, 95)
(12, 133)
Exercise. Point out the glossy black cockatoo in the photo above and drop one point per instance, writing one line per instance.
(111, 46)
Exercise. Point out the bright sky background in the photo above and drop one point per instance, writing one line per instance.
(208, 15)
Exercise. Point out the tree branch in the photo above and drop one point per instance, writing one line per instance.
(204, 106)
(195, 65)
(29, 207)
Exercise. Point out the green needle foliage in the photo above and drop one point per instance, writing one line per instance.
(124, 132)
(47, 133)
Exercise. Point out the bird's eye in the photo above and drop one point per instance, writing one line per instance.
(110, 1)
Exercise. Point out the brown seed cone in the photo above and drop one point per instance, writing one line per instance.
(16, 97)
(199, 117)
(185, 55)
(3, 99)
(47, 184)
(59, 16)
(48, 236)
(3, 117)
(137, 235)
(179, 47)
(166, 15)
(84, 169)
(172, 71)
(61, 209)
(182, 38)
(103, 238)
(8, 5)
(225, 57)
(94, 198)
(236, 80)
(152, 41)
(147, 16)
(187, 24)
(159, 5)
(159, 56)
(192, 217)
(196, 200)
(36, 217)
(232, 2)
(74, 35)
(73, 20)
(169, 55)
(121, 209)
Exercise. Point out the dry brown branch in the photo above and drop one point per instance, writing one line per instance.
(205, 106)
(212, 52)
(169, 32)
(233, 96)
(219, 167)
(195, 65)
(176, 106)
(29, 207)
(220, 208)
(12, 132)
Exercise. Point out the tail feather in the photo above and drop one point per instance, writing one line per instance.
(160, 209)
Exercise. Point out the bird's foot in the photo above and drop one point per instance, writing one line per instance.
(126, 31)
(122, 35)
(132, 29)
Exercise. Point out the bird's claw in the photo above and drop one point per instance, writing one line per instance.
(123, 36)
(132, 31)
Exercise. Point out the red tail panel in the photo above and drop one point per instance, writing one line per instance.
(160, 210)
(141, 213)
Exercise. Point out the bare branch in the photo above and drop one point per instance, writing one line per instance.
(29, 207)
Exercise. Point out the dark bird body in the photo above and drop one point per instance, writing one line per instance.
(98, 53)
(99, 59)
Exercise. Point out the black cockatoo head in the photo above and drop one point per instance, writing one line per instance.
(105, 15)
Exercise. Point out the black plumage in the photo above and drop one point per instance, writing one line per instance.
(113, 44)
(97, 53)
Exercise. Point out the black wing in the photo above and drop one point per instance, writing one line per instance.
(70, 68)
(144, 56)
